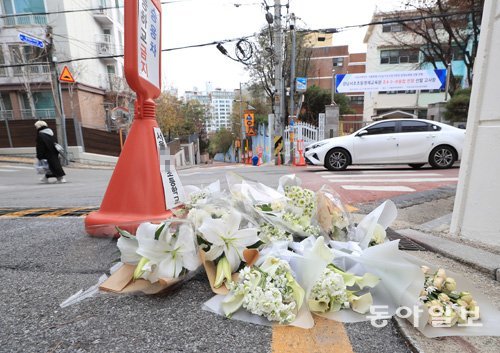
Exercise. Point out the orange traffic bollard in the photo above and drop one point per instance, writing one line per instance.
(135, 193)
(300, 149)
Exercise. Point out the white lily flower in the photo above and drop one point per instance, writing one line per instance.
(197, 216)
(168, 254)
(127, 244)
(226, 238)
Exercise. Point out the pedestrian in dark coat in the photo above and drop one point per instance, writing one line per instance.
(45, 149)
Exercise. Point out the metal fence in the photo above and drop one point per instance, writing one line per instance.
(25, 20)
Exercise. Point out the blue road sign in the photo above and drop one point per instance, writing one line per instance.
(301, 84)
(31, 40)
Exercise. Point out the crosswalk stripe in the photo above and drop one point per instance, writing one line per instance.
(384, 175)
(409, 180)
(369, 172)
(195, 173)
(8, 170)
(378, 188)
(17, 166)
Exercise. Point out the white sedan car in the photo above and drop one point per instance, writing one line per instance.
(396, 141)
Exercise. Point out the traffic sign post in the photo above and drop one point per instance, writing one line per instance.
(66, 76)
(136, 190)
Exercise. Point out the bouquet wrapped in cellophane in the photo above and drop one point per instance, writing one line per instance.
(284, 255)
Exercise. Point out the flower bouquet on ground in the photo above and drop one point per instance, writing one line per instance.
(372, 228)
(223, 234)
(329, 288)
(291, 208)
(451, 305)
(157, 257)
(332, 216)
(447, 306)
(269, 290)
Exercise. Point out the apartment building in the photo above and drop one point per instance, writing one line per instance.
(220, 107)
(85, 35)
(386, 52)
(327, 61)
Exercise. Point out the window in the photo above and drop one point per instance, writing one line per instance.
(399, 56)
(414, 126)
(338, 61)
(3, 70)
(392, 27)
(21, 54)
(357, 100)
(386, 127)
(12, 7)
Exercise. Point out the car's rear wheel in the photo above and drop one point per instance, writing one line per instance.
(337, 159)
(416, 165)
(442, 157)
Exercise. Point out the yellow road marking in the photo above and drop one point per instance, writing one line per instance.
(24, 212)
(350, 208)
(326, 336)
(61, 212)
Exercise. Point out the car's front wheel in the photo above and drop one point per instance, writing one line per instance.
(337, 159)
(442, 157)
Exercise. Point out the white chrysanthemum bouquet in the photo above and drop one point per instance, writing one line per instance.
(269, 290)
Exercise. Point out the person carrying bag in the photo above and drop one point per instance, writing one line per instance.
(46, 149)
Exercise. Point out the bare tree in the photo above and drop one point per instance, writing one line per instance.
(443, 31)
(34, 65)
(262, 68)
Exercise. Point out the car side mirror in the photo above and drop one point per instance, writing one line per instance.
(362, 133)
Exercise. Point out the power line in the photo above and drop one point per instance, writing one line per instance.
(392, 20)
(324, 30)
(101, 8)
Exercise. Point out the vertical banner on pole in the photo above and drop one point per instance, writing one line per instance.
(135, 192)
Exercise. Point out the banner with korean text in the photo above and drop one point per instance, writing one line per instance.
(391, 81)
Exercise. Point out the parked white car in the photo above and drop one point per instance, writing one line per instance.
(396, 141)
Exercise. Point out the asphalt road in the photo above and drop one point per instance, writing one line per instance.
(44, 261)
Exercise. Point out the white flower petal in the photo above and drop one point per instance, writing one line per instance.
(128, 248)
(190, 261)
(166, 268)
(213, 230)
(232, 222)
(178, 266)
(214, 252)
(146, 231)
(234, 258)
(245, 237)
(185, 242)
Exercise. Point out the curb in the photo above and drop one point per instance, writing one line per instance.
(478, 259)
(402, 327)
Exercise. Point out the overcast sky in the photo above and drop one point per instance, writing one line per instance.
(189, 22)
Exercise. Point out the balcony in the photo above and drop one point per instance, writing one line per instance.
(104, 45)
(102, 14)
(39, 113)
(6, 115)
(21, 20)
(117, 83)
(31, 70)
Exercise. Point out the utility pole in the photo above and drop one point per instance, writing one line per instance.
(61, 122)
(242, 120)
(278, 72)
(292, 88)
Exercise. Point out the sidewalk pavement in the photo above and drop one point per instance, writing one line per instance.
(435, 237)
(479, 263)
